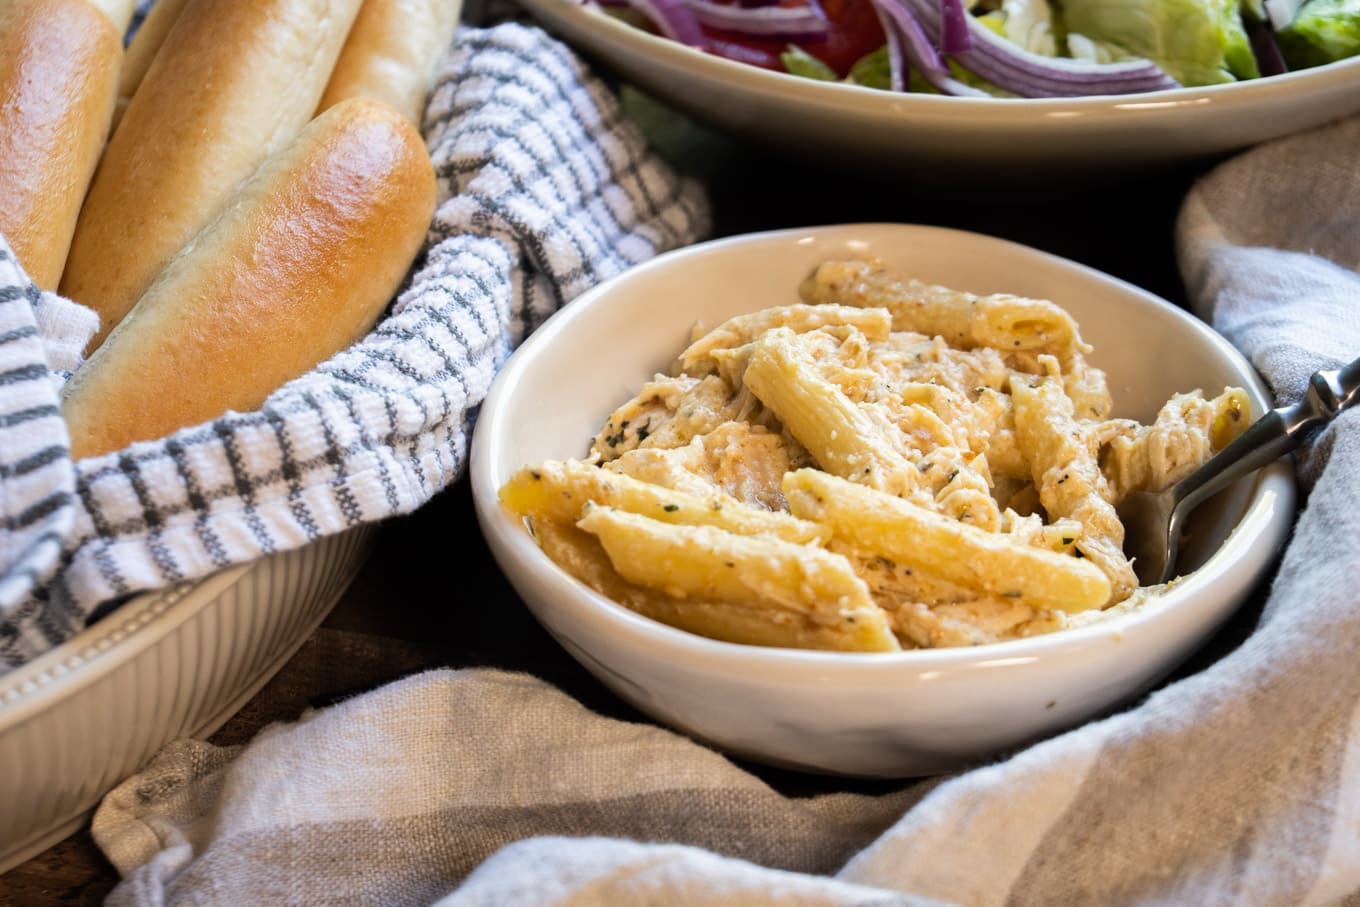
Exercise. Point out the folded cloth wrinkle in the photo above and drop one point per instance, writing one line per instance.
(65, 328)
(430, 775)
(1269, 249)
(608, 871)
(1238, 784)
(545, 190)
(1282, 196)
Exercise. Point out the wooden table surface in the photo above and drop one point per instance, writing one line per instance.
(430, 594)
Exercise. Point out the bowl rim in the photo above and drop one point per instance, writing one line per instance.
(1262, 524)
(101, 648)
(138, 625)
(1055, 113)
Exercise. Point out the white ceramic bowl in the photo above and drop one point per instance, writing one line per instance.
(982, 138)
(165, 665)
(894, 714)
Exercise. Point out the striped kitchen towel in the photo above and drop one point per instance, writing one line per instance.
(40, 339)
(1236, 786)
(545, 190)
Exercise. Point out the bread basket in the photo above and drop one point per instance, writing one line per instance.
(291, 493)
(169, 664)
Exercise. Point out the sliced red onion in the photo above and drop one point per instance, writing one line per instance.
(1266, 49)
(1012, 68)
(806, 22)
(955, 36)
(673, 18)
(897, 64)
(919, 50)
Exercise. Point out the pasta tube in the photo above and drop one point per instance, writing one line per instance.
(1187, 431)
(843, 438)
(1068, 478)
(988, 562)
(742, 329)
(561, 489)
(964, 320)
(712, 565)
(582, 555)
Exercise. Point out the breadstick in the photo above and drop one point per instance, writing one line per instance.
(142, 50)
(392, 51)
(235, 81)
(58, 69)
(296, 268)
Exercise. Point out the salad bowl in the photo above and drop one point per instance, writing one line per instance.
(872, 714)
(978, 138)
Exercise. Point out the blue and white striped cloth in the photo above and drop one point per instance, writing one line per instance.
(37, 479)
(545, 188)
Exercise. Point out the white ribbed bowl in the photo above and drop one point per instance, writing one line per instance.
(164, 666)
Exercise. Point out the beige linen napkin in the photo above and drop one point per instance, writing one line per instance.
(394, 796)
(1237, 785)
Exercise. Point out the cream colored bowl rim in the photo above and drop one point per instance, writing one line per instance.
(106, 645)
(1269, 507)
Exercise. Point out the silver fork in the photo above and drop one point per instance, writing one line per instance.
(1154, 521)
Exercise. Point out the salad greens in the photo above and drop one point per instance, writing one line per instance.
(1198, 42)
(1015, 48)
(1322, 31)
(871, 70)
(1195, 42)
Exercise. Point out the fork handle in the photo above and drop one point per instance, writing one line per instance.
(1275, 434)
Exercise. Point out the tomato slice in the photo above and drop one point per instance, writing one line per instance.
(855, 31)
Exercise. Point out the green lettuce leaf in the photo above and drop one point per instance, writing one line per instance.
(801, 63)
(1199, 42)
(1323, 31)
(872, 70)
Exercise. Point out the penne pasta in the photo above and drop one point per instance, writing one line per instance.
(964, 320)
(713, 565)
(1187, 431)
(884, 464)
(930, 542)
(844, 439)
(1068, 479)
(756, 624)
(697, 358)
(562, 489)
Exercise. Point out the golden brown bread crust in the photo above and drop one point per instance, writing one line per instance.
(234, 81)
(142, 50)
(392, 51)
(58, 70)
(296, 268)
